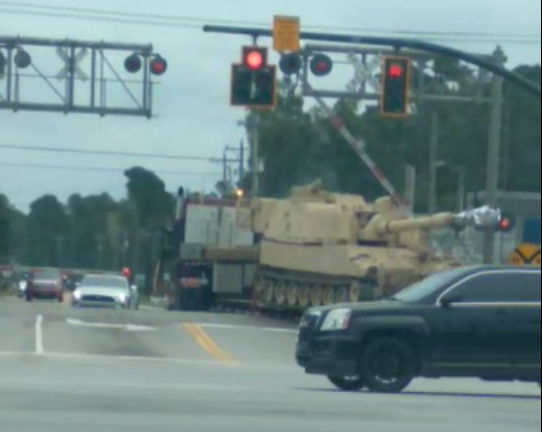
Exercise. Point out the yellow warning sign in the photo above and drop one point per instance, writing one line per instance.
(286, 34)
(525, 254)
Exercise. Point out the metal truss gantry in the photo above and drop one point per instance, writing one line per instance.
(83, 78)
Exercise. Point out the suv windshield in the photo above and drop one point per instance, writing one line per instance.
(104, 282)
(428, 286)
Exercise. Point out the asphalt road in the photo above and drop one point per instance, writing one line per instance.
(63, 370)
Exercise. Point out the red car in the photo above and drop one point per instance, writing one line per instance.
(45, 285)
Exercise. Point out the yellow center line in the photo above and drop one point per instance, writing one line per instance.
(208, 344)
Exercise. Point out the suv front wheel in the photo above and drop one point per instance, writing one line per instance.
(388, 365)
(348, 384)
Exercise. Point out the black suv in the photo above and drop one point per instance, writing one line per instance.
(476, 322)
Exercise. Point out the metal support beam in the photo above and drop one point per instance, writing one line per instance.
(61, 90)
(397, 43)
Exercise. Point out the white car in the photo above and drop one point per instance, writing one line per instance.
(105, 292)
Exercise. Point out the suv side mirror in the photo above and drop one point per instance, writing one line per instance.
(450, 300)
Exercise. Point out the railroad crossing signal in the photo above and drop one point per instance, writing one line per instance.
(395, 99)
(525, 255)
(69, 67)
(253, 81)
(507, 223)
(286, 34)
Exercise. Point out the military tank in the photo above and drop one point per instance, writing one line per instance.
(320, 248)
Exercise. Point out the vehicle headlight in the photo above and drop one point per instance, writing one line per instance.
(122, 298)
(77, 295)
(337, 320)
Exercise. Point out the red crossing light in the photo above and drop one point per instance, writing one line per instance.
(507, 223)
(158, 66)
(254, 60)
(321, 65)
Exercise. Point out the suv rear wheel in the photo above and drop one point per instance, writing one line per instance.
(388, 365)
(349, 384)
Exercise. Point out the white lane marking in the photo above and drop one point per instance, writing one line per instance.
(39, 335)
(126, 327)
(239, 327)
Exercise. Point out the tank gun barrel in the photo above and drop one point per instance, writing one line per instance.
(482, 219)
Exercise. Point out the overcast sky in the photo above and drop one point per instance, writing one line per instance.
(191, 103)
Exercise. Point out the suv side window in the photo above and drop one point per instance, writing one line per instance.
(500, 287)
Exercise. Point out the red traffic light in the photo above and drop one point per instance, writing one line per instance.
(507, 223)
(158, 66)
(321, 65)
(254, 58)
(396, 71)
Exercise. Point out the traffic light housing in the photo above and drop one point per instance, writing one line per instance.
(253, 81)
(168, 243)
(158, 65)
(507, 222)
(321, 65)
(290, 64)
(395, 99)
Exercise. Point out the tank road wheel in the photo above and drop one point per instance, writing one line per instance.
(269, 293)
(317, 296)
(280, 293)
(329, 296)
(305, 296)
(347, 384)
(292, 294)
(354, 293)
(259, 287)
(341, 295)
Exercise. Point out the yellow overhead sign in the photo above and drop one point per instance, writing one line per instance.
(286, 34)
(525, 254)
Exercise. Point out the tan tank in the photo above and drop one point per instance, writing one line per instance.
(323, 248)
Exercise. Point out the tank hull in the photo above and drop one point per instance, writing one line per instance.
(295, 277)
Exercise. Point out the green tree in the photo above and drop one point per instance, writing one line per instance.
(5, 229)
(47, 226)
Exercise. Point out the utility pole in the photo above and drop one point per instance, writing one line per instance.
(225, 168)
(253, 131)
(493, 156)
(241, 163)
(433, 163)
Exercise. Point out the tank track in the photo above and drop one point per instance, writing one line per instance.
(296, 291)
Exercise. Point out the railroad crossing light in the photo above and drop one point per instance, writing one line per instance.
(253, 88)
(254, 57)
(158, 65)
(22, 59)
(321, 65)
(133, 64)
(290, 64)
(507, 223)
(396, 87)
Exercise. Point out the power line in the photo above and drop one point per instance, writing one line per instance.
(100, 169)
(188, 22)
(110, 153)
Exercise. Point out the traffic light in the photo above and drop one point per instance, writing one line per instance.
(133, 63)
(290, 64)
(22, 59)
(321, 65)
(396, 87)
(158, 65)
(253, 82)
(507, 223)
(255, 58)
